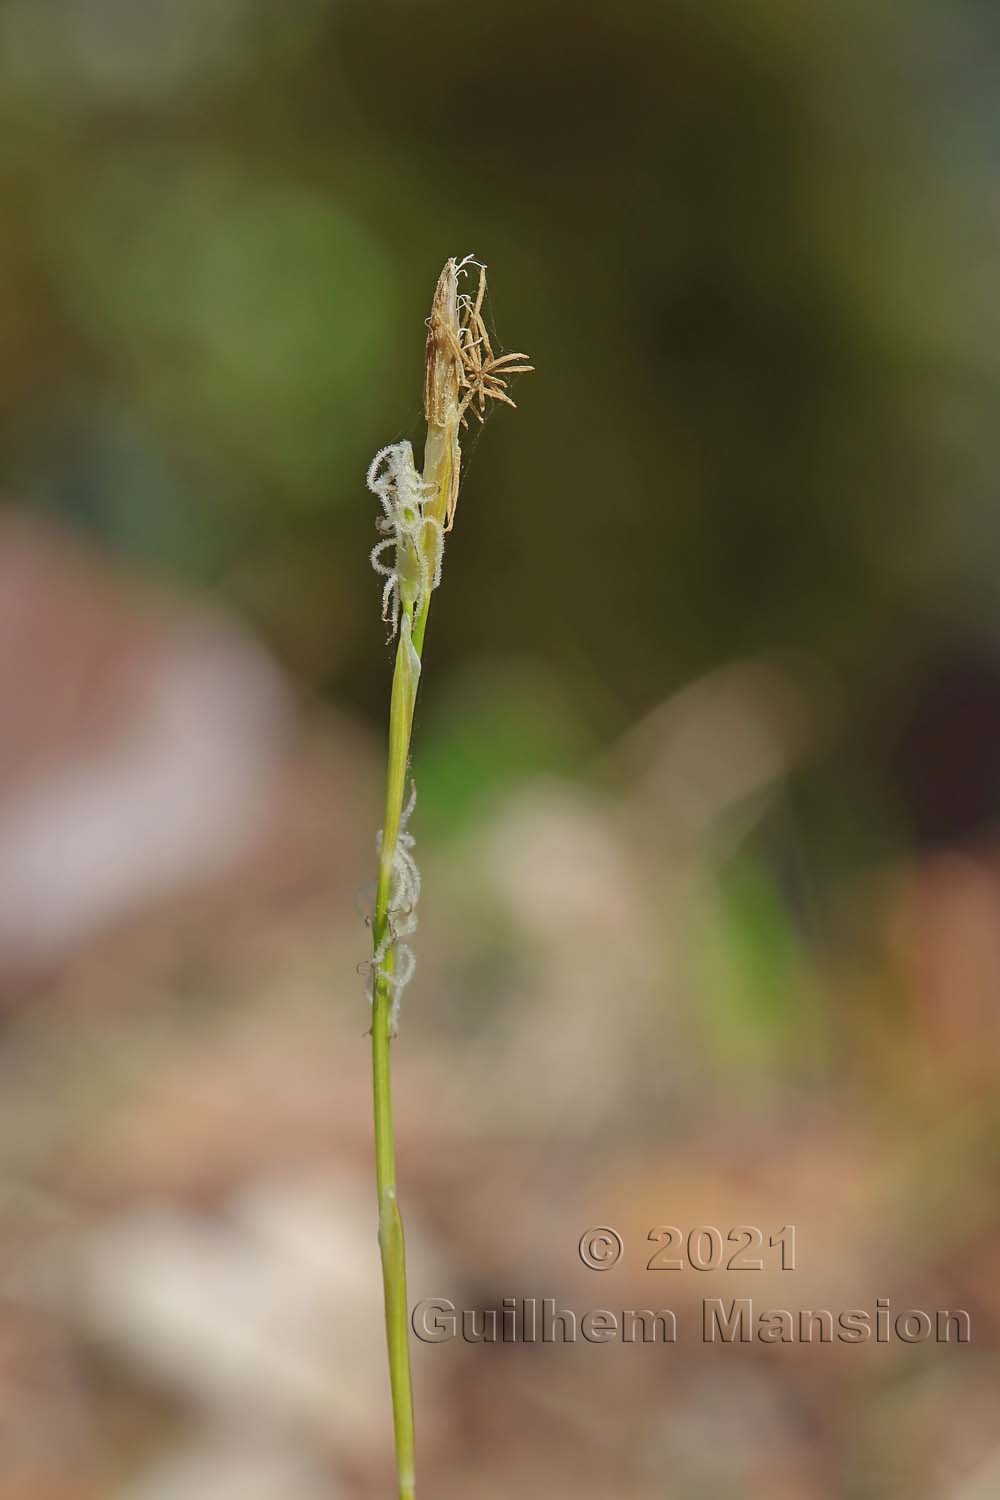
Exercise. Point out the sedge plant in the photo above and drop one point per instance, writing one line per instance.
(417, 510)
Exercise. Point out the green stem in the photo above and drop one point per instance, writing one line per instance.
(390, 1224)
(392, 1248)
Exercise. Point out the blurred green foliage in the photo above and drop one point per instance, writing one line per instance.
(749, 248)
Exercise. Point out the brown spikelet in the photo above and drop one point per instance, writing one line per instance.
(443, 360)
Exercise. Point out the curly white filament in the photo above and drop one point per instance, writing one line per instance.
(404, 893)
(412, 541)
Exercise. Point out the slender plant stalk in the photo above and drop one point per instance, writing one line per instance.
(390, 1223)
(417, 510)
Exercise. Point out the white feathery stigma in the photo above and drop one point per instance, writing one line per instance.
(413, 541)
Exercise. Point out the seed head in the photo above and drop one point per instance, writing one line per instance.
(461, 374)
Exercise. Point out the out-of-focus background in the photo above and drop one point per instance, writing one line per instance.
(708, 746)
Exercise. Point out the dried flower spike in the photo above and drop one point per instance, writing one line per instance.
(461, 373)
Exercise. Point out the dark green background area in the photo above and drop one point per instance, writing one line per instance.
(750, 249)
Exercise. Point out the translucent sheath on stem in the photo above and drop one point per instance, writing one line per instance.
(416, 512)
